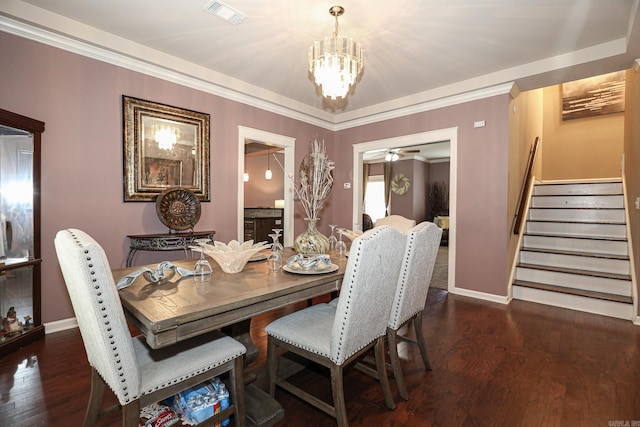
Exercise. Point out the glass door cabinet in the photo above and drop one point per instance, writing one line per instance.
(20, 262)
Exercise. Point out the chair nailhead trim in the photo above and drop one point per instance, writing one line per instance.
(100, 302)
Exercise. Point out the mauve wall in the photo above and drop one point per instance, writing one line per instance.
(481, 236)
(79, 99)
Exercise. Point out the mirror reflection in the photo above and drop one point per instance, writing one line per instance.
(16, 231)
(169, 153)
(16, 193)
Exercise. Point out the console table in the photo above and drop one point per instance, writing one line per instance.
(164, 242)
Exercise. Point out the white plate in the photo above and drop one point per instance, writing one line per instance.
(323, 270)
(258, 257)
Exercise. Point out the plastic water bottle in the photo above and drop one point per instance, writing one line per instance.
(223, 397)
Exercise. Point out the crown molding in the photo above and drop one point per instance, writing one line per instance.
(196, 77)
(202, 82)
(421, 107)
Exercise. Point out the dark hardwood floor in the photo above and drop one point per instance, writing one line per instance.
(519, 365)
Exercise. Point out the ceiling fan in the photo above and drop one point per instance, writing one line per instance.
(394, 154)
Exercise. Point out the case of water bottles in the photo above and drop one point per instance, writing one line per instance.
(201, 402)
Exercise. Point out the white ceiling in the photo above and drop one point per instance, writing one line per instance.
(415, 51)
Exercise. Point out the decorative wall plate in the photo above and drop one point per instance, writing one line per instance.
(178, 208)
(400, 184)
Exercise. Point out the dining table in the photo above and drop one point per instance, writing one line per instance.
(182, 307)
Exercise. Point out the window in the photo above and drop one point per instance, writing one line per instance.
(374, 198)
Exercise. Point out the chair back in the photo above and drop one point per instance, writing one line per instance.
(398, 222)
(367, 222)
(368, 286)
(420, 253)
(99, 313)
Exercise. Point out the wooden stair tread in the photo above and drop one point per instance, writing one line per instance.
(576, 208)
(576, 253)
(560, 221)
(576, 271)
(577, 195)
(566, 236)
(572, 291)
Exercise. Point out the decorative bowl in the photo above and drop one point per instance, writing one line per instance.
(232, 257)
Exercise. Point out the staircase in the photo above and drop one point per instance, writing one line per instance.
(574, 251)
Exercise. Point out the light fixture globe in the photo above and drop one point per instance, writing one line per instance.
(336, 61)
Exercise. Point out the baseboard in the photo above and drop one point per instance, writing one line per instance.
(479, 295)
(60, 325)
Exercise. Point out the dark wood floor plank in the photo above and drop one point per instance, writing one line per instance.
(521, 365)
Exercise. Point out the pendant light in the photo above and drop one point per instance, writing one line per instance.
(268, 173)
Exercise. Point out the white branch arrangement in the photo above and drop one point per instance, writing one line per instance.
(315, 179)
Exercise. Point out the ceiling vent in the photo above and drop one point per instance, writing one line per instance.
(225, 12)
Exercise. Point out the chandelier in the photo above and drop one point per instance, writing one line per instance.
(336, 61)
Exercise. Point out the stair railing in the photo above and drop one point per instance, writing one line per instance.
(526, 185)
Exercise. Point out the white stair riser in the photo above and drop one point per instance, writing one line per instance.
(604, 265)
(586, 188)
(575, 281)
(577, 202)
(577, 229)
(611, 247)
(574, 302)
(578, 215)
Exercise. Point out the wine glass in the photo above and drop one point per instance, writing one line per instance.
(332, 239)
(202, 269)
(341, 246)
(274, 260)
(277, 243)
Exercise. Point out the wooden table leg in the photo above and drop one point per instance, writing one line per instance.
(262, 409)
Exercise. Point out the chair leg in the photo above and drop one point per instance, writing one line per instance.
(237, 386)
(395, 363)
(337, 388)
(417, 325)
(272, 365)
(131, 414)
(96, 396)
(381, 365)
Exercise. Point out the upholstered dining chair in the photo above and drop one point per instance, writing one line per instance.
(409, 301)
(336, 335)
(398, 222)
(137, 375)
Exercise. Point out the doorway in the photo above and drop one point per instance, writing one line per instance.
(449, 134)
(249, 135)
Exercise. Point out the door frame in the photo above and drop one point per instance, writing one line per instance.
(247, 134)
(447, 134)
